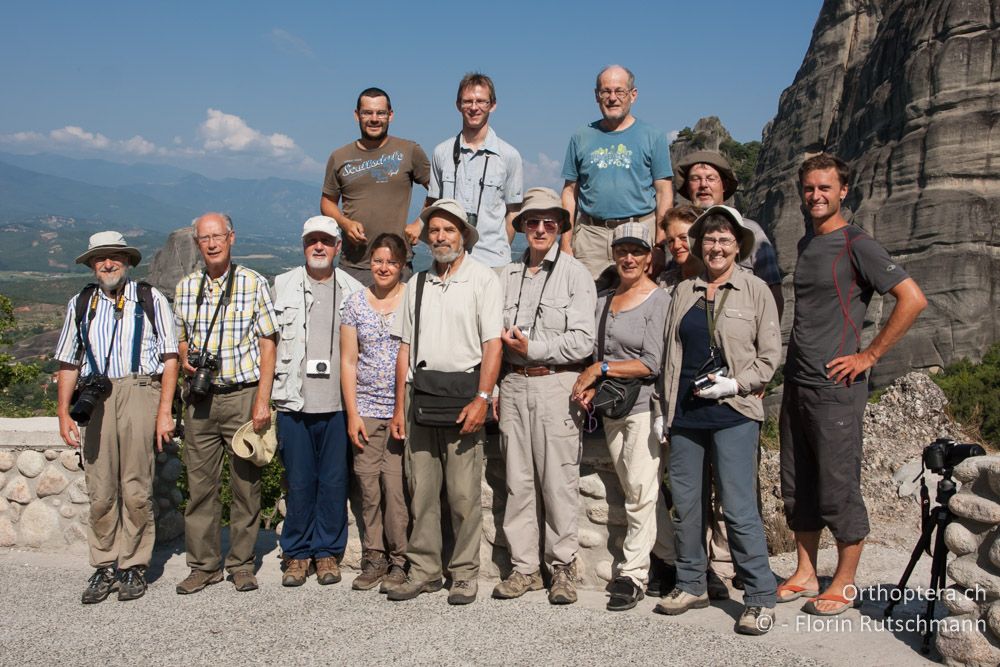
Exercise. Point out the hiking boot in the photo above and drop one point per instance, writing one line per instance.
(395, 577)
(755, 620)
(99, 585)
(518, 584)
(297, 570)
(411, 588)
(677, 602)
(327, 570)
(562, 590)
(463, 591)
(244, 581)
(625, 594)
(662, 577)
(374, 567)
(198, 580)
(717, 589)
(131, 583)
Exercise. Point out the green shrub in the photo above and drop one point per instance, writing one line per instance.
(973, 392)
(270, 489)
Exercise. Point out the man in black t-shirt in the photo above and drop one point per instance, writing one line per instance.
(839, 267)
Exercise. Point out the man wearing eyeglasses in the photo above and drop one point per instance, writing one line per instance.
(549, 302)
(481, 171)
(226, 328)
(617, 170)
(369, 182)
(312, 432)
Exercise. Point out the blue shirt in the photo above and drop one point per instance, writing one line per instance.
(615, 170)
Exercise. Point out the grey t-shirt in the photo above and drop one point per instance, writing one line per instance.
(835, 277)
(322, 394)
(636, 333)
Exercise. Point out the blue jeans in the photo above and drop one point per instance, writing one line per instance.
(734, 464)
(314, 452)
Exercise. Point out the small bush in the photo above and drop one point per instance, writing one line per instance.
(973, 392)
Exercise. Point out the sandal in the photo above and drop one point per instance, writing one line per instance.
(810, 607)
(797, 592)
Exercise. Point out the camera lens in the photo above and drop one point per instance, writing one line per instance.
(321, 367)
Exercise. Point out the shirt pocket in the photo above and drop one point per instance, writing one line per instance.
(492, 191)
(738, 326)
(288, 331)
(552, 313)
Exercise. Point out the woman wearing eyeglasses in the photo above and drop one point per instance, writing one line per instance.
(368, 381)
(723, 344)
(629, 345)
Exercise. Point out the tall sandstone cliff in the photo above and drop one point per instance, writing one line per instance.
(908, 92)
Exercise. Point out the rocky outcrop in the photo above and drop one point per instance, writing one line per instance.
(178, 257)
(907, 92)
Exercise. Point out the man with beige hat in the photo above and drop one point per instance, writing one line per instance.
(549, 301)
(448, 362)
(118, 349)
(312, 431)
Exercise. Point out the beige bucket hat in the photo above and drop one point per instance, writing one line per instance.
(257, 448)
(104, 242)
(456, 209)
(542, 199)
(744, 236)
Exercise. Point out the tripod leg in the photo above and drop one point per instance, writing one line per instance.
(922, 544)
(939, 561)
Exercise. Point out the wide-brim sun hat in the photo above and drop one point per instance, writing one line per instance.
(103, 243)
(542, 199)
(257, 448)
(713, 158)
(454, 208)
(744, 235)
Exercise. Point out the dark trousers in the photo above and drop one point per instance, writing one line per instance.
(314, 452)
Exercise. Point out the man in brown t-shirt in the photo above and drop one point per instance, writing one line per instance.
(369, 181)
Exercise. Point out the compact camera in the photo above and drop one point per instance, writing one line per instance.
(715, 365)
(91, 390)
(318, 367)
(205, 365)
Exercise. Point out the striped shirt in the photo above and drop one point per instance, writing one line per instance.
(99, 330)
(247, 318)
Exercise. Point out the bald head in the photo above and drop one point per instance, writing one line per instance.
(612, 70)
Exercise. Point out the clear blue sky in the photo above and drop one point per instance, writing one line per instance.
(258, 89)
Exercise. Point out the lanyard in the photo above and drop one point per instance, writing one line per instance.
(456, 152)
(538, 308)
(710, 312)
(119, 311)
(305, 314)
(223, 303)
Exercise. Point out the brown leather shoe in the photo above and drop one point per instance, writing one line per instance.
(395, 577)
(563, 587)
(373, 568)
(296, 571)
(243, 580)
(327, 570)
(198, 580)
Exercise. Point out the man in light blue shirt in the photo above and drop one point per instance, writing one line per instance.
(617, 170)
(481, 171)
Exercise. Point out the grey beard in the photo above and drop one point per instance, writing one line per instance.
(319, 264)
(446, 255)
(110, 286)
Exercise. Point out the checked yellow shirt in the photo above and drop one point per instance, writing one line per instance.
(241, 324)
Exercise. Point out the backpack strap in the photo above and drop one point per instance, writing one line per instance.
(144, 292)
(421, 278)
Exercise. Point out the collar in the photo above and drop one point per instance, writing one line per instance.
(460, 275)
(491, 144)
(130, 292)
(550, 256)
(733, 282)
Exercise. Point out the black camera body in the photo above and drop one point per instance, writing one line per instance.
(90, 391)
(205, 365)
(945, 453)
(704, 382)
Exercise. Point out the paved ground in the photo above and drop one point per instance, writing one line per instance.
(44, 624)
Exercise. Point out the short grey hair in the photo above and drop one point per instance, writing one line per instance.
(631, 76)
(224, 217)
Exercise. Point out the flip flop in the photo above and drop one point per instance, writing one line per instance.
(798, 591)
(810, 607)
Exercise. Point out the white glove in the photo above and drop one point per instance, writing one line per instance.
(722, 388)
(658, 429)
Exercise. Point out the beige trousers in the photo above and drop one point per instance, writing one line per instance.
(592, 243)
(209, 426)
(118, 466)
(541, 446)
(638, 460)
(379, 471)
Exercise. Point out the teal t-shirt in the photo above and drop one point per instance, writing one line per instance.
(615, 170)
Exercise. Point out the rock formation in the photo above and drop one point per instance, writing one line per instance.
(178, 257)
(907, 92)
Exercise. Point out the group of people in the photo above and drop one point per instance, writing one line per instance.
(397, 375)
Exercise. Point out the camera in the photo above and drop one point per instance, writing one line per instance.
(205, 364)
(318, 367)
(945, 453)
(91, 390)
(473, 218)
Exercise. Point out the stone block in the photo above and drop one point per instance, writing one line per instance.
(8, 535)
(176, 497)
(170, 526)
(78, 492)
(975, 507)
(956, 601)
(960, 540)
(50, 483)
(67, 511)
(163, 503)
(993, 473)
(960, 643)
(70, 460)
(968, 470)
(75, 533)
(489, 527)
(592, 486)
(352, 554)
(30, 463)
(4, 505)
(598, 513)
(51, 454)
(38, 524)
(993, 618)
(966, 572)
(994, 550)
(6, 461)
(171, 471)
(590, 539)
(282, 506)
(604, 570)
(18, 491)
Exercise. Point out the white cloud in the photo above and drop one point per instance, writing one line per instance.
(139, 145)
(77, 136)
(229, 134)
(21, 138)
(545, 172)
(290, 44)
(673, 134)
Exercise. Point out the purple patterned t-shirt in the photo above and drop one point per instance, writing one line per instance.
(377, 350)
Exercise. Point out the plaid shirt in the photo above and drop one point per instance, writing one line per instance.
(242, 323)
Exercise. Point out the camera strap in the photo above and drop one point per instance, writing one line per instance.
(548, 274)
(85, 331)
(925, 509)
(456, 156)
(710, 312)
(601, 326)
(223, 303)
(305, 316)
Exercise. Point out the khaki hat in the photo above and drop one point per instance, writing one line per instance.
(541, 199)
(453, 207)
(257, 448)
(714, 158)
(744, 235)
(632, 232)
(323, 224)
(104, 242)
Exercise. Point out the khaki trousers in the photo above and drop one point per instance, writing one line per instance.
(379, 471)
(118, 466)
(592, 243)
(209, 426)
(541, 446)
(433, 456)
(720, 560)
(638, 460)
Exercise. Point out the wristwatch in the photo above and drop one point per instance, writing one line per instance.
(485, 395)
(604, 369)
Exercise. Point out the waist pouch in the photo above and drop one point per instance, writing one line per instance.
(616, 397)
(439, 396)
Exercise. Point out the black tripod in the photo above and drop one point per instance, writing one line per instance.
(931, 521)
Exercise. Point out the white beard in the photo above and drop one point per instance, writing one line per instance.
(319, 263)
(445, 255)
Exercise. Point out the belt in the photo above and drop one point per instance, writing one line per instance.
(537, 371)
(138, 376)
(230, 388)
(611, 223)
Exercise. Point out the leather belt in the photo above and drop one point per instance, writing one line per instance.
(230, 388)
(538, 371)
(611, 223)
